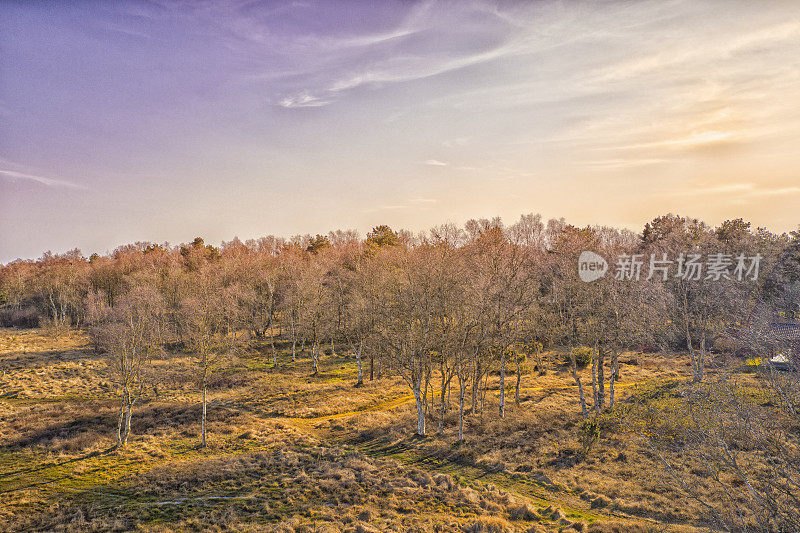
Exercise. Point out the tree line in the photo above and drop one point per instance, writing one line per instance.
(449, 306)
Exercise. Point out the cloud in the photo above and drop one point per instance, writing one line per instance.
(700, 138)
(606, 164)
(373, 39)
(685, 54)
(303, 99)
(429, 40)
(436, 163)
(50, 182)
(776, 192)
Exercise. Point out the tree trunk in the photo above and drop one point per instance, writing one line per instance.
(580, 393)
(294, 335)
(519, 379)
(695, 368)
(595, 393)
(443, 400)
(476, 383)
(371, 366)
(121, 418)
(461, 386)
(614, 375)
(203, 423)
(484, 389)
(701, 359)
(358, 360)
(127, 431)
(426, 385)
(503, 385)
(272, 343)
(315, 357)
(573, 367)
(697, 365)
(601, 383)
(420, 406)
(449, 392)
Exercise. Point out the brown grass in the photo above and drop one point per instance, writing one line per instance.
(295, 452)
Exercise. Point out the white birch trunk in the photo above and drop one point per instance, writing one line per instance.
(420, 406)
(358, 360)
(503, 385)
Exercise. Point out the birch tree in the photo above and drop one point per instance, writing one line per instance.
(131, 333)
(203, 321)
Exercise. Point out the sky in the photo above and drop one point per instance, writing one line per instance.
(161, 121)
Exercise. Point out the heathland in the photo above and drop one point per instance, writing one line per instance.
(528, 377)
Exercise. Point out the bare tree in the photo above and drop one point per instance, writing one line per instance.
(203, 321)
(130, 331)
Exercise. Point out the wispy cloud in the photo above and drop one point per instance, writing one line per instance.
(431, 40)
(695, 139)
(50, 182)
(303, 99)
(688, 52)
(607, 164)
(436, 163)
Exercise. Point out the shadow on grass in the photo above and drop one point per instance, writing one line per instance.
(41, 468)
(146, 419)
(43, 358)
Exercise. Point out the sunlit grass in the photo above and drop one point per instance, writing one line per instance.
(347, 453)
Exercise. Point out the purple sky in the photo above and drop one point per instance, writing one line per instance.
(161, 121)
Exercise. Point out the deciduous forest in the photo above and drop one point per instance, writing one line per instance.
(463, 378)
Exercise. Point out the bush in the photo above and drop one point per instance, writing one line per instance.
(589, 435)
(489, 524)
(534, 348)
(583, 356)
(523, 511)
(725, 345)
(26, 317)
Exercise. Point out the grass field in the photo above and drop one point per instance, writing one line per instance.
(294, 452)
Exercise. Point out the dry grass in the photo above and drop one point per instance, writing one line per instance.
(295, 452)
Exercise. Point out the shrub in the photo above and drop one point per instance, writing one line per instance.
(523, 511)
(26, 317)
(534, 348)
(600, 502)
(489, 524)
(583, 356)
(725, 345)
(589, 435)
